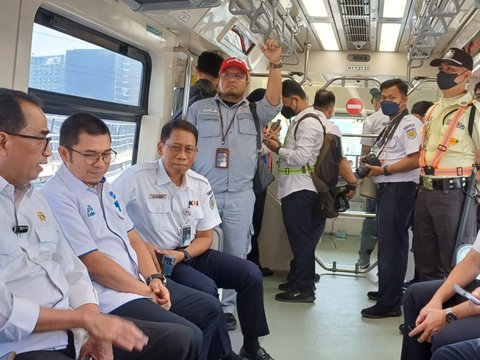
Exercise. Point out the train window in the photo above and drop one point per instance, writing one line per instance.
(75, 68)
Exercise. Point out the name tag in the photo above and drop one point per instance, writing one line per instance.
(157, 196)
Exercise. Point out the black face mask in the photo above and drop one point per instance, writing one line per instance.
(288, 112)
(446, 81)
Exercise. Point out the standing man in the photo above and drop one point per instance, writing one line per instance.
(175, 209)
(397, 148)
(208, 66)
(446, 163)
(373, 124)
(93, 219)
(297, 192)
(45, 289)
(227, 150)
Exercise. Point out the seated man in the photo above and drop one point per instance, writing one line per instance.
(174, 208)
(463, 350)
(437, 315)
(93, 220)
(44, 289)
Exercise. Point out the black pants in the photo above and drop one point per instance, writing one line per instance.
(395, 203)
(258, 209)
(165, 342)
(191, 308)
(416, 297)
(304, 227)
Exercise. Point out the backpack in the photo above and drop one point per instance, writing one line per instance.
(326, 170)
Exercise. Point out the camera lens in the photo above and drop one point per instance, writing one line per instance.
(362, 171)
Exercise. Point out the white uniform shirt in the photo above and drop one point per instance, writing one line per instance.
(405, 141)
(374, 124)
(299, 151)
(37, 269)
(94, 220)
(161, 210)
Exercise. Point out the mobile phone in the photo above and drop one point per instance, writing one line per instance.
(466, 294)
(275, 125)
(10, 356)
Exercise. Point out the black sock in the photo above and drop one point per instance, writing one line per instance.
(250, 344)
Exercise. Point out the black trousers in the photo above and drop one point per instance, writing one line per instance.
(395, 203)
(416, 297)
(165, 342)
(304, 227)
(258, 209)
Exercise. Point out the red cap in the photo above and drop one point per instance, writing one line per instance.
(233, 62)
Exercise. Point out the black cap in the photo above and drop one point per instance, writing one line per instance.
(375, 92)
(455, 57)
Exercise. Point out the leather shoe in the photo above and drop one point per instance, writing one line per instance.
(231, 321)
(306, 296)
(261, 354)
(316, 278)
(401, 328)
(286, 286)
(372, 295)
(266, 271)
(379, 312)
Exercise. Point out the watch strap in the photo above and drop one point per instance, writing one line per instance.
(162, 277)
(450, 315)
(276, 66)
(187, 257)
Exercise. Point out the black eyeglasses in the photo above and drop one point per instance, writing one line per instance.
(47, 139)
(93, 157)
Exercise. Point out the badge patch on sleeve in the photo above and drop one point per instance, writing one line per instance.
(412, 133)
(212, 202)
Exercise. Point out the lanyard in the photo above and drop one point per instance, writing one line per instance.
(387, 133)
(224, 134)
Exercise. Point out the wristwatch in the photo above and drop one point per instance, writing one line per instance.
(450, 315)
(187, 257)
(156, 276)
(276, 66)
(385, 171)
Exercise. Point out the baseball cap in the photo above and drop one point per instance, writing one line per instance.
(233, 62)
(455, 57)
(375, 92)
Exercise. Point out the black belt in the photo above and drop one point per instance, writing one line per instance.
(382, 185)
(443, 184)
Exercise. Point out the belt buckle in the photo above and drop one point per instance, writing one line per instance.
(427, 183)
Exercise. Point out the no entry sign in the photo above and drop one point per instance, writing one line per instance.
(354, 106)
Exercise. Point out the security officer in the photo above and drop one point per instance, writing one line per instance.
(446, 163)
(175, 209)
(297, 192)
(45, 290)
(94, 222)
(397, 148)
(373, 124)
(227, 150)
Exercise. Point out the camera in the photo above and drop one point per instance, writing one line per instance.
(370, 159)
(341, 201)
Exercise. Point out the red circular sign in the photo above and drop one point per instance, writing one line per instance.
(354, 106)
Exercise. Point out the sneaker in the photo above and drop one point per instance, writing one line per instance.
(261, 354)
(316, 278)
(231, 321)
(379, 312)
(401, 328)
(286, 286)
(372, 295)
(266, 271)
(305, 296)
(363, 263)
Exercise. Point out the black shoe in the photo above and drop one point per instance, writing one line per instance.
(266, 271)
(261, 354)
(231, 321)
(316, 277)
(379, 312)
(286, 286)
(401, 328)
(305, 296)
(233, 356)
(372, 295)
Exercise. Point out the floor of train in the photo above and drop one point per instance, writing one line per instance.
(332, 328)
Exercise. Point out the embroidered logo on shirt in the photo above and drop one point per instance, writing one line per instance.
(193, 203)
(90, 211)
(412, 134)
(41, 216)
(212, 202)
(157, 196)
(115, 201)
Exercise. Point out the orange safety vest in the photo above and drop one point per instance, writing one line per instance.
(432, 168)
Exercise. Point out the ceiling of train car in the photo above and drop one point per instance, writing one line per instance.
(413, 26)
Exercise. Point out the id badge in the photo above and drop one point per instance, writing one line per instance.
(186, 236)
(221, 158)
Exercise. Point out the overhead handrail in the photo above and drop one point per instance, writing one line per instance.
(436, 11)
(419, 83)
(188, 79)
(235, 9)
(355, 78)
(306, 79)
(261, 11)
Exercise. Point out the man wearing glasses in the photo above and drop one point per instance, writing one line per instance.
(44, 289)
(227, 150)
(174, 208)
(93, 220)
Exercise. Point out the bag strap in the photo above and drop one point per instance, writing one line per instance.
(253, 109)
(297, 123)
(471, 120)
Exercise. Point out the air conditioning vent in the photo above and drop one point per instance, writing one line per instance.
(149, 5)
